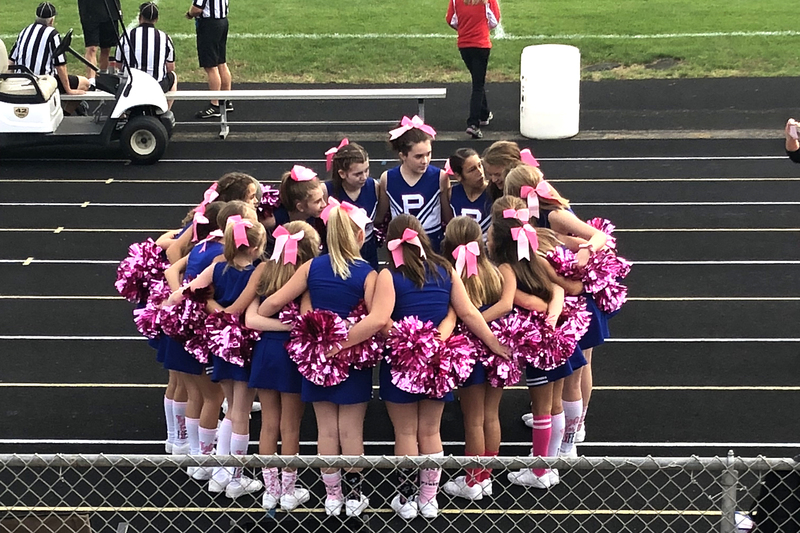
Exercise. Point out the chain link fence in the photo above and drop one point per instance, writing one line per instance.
(153, 494)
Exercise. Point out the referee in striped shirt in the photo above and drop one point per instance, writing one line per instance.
(34, 49)
(211, 21)
(150, 50)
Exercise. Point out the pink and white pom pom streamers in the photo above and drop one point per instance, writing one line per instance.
(148, 318)
(185, 319)
(290, 313)
(313, 336)
(229, 339)
(135, 273)
(365, 354)
(605, 225)
(270, 199)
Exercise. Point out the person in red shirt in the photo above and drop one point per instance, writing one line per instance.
(473, 19)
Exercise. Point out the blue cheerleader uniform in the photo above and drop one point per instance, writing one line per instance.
(272, 368)
(368, 201)
(155, 344)
(480, 209)
(281, 216)
(478, 374)
(229, 283)
(431, 302)
(332, 293)
(176, 357)
(422, 200)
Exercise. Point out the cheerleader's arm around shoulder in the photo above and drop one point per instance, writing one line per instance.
(379, 315)
(248, 294)
(473, 319)
(173, 274)
(255, 321)
(296, 286)
(505, 304)
(204, 279)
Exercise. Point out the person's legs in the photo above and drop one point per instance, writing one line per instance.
(292, 408)
(351, 437)
(91, 56)
(587, 382)
(476, 60)
(430, 443)
(268, 444)
(473, 400)
(405, 423)
(327, 415)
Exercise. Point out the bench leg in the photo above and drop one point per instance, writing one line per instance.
(421, 108)
(224, 129)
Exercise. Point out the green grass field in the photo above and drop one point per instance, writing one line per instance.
(362, 41)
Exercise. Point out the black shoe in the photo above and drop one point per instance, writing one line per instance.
(228, 106)
(82, 110)
(488, 119)
(475, 132)
(210, 112)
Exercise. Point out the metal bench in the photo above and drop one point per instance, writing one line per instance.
(420, 95)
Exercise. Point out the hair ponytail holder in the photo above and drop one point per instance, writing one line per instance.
(356, 214)
(395, 246)
(286, 243)
(527, 157)
(523, 215)
(467, 255)
(447, 168)
(301, 173)
(409, 124)
(240, 226)
(332, 152)
(527, 240)
(532, 194)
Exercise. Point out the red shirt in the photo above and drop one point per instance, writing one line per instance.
(473, 22)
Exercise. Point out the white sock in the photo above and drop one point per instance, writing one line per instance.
(573, 412)
(170, 418)
(207, 438)
(192, 434)
(239, 445)
(556, 435)
(179, 412)
(224, 432)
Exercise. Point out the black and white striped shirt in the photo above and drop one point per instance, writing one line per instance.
(34, 49)
(147, 49)
(212, 9)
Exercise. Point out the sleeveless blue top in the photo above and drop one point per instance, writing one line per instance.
(200, 260)
(422, 200)
(229, 282)
(332, 293)
(544, 217)
(368, 201)
(480, 209)
(431, 302)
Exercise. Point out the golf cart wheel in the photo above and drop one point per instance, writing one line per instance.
(144, 140)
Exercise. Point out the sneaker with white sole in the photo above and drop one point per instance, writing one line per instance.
(269, 501)
(406, 510)
(488, 119)
(218, 483)
(210, 111)
(168, 447)
(202, 473)
(572, 454)
(353, 507)
(474, 132)
(580, 435)
(181, 449)
(457, 487)
(527, 419)
(486, 487)
(553, 477)
(526, 478)
(333, 506)
(290, 502)
(241, 486)
(429, 509)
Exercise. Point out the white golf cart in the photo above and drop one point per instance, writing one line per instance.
(31, 114)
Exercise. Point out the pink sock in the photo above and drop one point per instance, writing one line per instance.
(193, 434)
(271, 483)
(288, 481)
(572, 416)
(556, 435)
(207, 438)
(170, 418)
(179, 411)
(333, 485)
(429, 481)
(239, 445)
(486, 473)
(542, 428)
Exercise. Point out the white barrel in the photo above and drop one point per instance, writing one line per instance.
(550, 78)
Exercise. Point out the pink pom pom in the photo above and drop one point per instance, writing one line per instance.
(290, 313)
(459, 352)
(606, 227)
(521, 337)
(314, 335)
(366, 354)
(611, 298)
(147, 320)
(411, 344)
(229, 339)
(185, 319)
(564, 262)
(135, 273)
(603, 268)
(270, 199)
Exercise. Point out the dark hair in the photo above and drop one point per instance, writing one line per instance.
(234, 185)
(203, 230)
(148, 11)
(414, 267)
(504, 154)
(236, 207)
(292, 192)
(458, 159)
(345, 157)
(404, 143)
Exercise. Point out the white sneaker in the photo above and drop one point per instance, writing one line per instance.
(333, 507)
(458, 487)
(527, 419)
(202, 473)
(181, 449)
(743, 522)
(553, 477)
(218, 483)
(269, 501)
(356, 507)
(428, 510)
(526, 478)
(168, 447)
(290, 502)
(580, 435)
(572, 454)
(486, 487)
(241, 486)
(407, 510)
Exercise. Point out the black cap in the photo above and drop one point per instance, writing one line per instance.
(148, 11)
(46, 10)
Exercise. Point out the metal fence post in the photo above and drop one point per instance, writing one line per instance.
(727, 502)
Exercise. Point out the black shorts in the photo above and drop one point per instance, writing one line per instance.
(73, 83)
(102, 34)
(212, 40)
(166, 83)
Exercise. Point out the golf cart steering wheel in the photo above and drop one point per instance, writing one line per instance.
(66, 40)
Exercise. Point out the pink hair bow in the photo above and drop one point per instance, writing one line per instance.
(240, 226)
(216, 234)
(287, 243)
(523, 215)
(356, 214)
(447, 168)
(395, 246)
(409, 124)
(467, 255)
(332, 152)
(198, 218)
(301, 173)
(527, 157)
(533, 194)
(526, 240)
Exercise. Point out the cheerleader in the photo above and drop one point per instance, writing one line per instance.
(536, 291)
(498, 160)
(470, 196)
(424, 285)
(244, 242)
(302, 198)
(491, 290)
(415, 186)
(337, 282)
(350, 182)
(551, 210)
